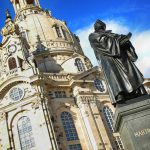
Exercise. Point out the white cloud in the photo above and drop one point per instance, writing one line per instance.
(140, 40)
(83, 35)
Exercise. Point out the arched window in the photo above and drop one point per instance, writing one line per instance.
(64, 33)
(12, 63)
(25, 133)
(109, 117)
(69, 126)
(99, 85)
(79, 65)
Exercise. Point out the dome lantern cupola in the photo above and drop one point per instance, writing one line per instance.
(20, 4)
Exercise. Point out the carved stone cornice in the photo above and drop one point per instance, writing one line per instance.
(89, 99)
(86, 100)
(59, 77)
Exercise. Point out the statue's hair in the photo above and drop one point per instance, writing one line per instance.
(99, 25)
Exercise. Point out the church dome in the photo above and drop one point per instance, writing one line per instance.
(41, 40)
(53, 33)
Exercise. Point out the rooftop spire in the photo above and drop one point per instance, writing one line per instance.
(8, 14)
(8, 17)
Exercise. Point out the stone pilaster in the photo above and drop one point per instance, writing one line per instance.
(4, 139)
(95, 139)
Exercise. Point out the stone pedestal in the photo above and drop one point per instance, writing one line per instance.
(132, 121)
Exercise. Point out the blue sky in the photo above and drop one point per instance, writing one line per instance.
(121, 16)
(80, 13)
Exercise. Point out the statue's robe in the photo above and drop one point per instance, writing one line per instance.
(117, 62)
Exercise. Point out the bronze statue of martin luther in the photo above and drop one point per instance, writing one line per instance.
(117, 56)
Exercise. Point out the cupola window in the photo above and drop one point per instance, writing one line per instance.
(58, 31)
(64, 33)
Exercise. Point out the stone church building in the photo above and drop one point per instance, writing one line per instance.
(51, 97)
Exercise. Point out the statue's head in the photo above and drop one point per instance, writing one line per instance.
(99, 25)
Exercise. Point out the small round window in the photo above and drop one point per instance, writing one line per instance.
(16, 94)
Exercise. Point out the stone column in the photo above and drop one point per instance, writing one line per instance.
(93, 123)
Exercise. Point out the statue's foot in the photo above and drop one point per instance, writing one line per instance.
(120, 97)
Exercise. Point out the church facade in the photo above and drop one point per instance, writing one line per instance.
(51, 97)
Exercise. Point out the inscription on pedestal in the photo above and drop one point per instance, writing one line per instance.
(142, 132)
